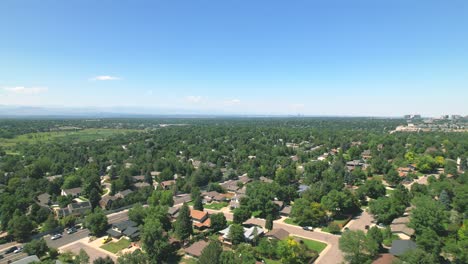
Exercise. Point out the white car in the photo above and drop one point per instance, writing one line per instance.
(18, 250)
(56, 236)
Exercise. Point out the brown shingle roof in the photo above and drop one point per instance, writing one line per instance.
(196, 248)
(198, 215)
(278, 233)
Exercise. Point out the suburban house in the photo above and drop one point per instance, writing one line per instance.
(235, 201)
(265, 179)
(74, 192)
(27, 260)
(140, 185)
(302, 188)
(166, 185)
(173, 212)
(366, 154)
(127, 229)
(139, 178)
(351, 165)
(123, 194)
(277, 233)
(286, 211)
(182, 198)
(213, 196)
(43, 200)
(404, 171)
(76, 209)
(280, 204)
(249, 233)
(201, 219)
(196, 249)
(399, 226)
(106, 201)
(52, 178)
(400, 247)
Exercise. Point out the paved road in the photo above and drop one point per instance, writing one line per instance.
(331, 254)
(66, 238)
(8, 258)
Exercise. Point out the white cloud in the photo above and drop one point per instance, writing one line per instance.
(193, 99)
(25, 90)
(105, 78)
(235, 101)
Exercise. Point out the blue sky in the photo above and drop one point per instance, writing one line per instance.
(379, 58)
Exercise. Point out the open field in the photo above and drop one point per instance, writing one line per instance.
(75, 135)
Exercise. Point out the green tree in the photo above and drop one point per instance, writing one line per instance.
(340, 202)
(135, 257)
(241, 214)
(50, 224)
(161, 197)
(101, 260)
(392, 177)
(444, 198)
(357, 247)
(428, 213)
(82, 258)
(198, 203)
(416, 256)
(137, 214)
(375, 234)
(291, 252)
(94, 198)
(236, 234)
(96, 222)
(154, 241)
(183, 225)
(211, 253)
(307, 213)
(269, 222)
(218, 221)
(20, 226)
(36, 247)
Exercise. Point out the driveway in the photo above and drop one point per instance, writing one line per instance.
(90, 250)
(360, 221)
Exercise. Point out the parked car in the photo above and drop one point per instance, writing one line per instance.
(18, 250)
(71, 230)
(308, 228)
(107, 240)
(56, 236)
(11, 250)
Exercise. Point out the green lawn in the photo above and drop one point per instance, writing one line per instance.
(115, 247)
(215, 206)
(272, 261)
(290, 221)
(341, 220)
(314, 245)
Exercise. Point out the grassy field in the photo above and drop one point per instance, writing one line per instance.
(215, 206)
(314, 245)
(115, 247)
(75, 135)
